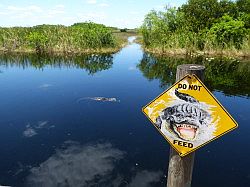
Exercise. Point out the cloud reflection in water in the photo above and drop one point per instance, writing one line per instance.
(29, 131)
(45, 86)
(32, 130)
(89, 165)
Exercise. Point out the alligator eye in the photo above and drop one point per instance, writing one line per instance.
(202, 122)
(179, 115)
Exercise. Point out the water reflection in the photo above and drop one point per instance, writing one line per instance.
(87, 165)
(32, 130)
(91, 63)
(230, 76)
(45, 86)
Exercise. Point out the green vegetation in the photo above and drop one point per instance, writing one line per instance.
(78, 38)
(206, 27)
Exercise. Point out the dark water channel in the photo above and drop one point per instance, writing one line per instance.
(54, 132)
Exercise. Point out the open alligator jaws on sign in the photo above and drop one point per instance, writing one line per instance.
(185, 118)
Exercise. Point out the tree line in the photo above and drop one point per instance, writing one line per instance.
(203, 25)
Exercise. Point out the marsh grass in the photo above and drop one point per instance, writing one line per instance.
(78, 38)
(183, 44)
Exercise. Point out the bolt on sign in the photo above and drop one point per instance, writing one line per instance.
(188, 115)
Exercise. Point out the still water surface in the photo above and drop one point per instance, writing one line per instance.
(54, 133)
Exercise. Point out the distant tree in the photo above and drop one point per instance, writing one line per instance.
(123, 30)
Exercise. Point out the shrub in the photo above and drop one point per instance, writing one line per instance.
(38, 40)
(228, 31)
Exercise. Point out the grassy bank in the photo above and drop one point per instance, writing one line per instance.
(78, 38)
(122, 36)
(212, 28)
(194, 52)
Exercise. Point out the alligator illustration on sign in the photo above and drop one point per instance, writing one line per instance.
(186, 119)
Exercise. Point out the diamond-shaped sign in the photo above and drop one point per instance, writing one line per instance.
(188, 115)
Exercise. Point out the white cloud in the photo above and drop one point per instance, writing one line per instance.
(60, 6)
(14, 8)
(91, 1)
(32, 8)
(54, 11)
(94, 2)
(58, 9)
(4, 13)
(103, 5)
(23, 13)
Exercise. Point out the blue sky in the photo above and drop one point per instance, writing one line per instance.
(119, 13)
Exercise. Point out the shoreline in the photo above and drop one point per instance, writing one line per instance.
(237, 54)
(64, 52)
(122, 40)
(230, 53)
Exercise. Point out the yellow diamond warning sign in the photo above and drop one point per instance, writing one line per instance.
(188, 115)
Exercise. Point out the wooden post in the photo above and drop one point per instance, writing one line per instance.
(180, 169)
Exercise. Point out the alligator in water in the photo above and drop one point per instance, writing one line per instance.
(102, 99)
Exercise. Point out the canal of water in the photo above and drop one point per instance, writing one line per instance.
(55, 131)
